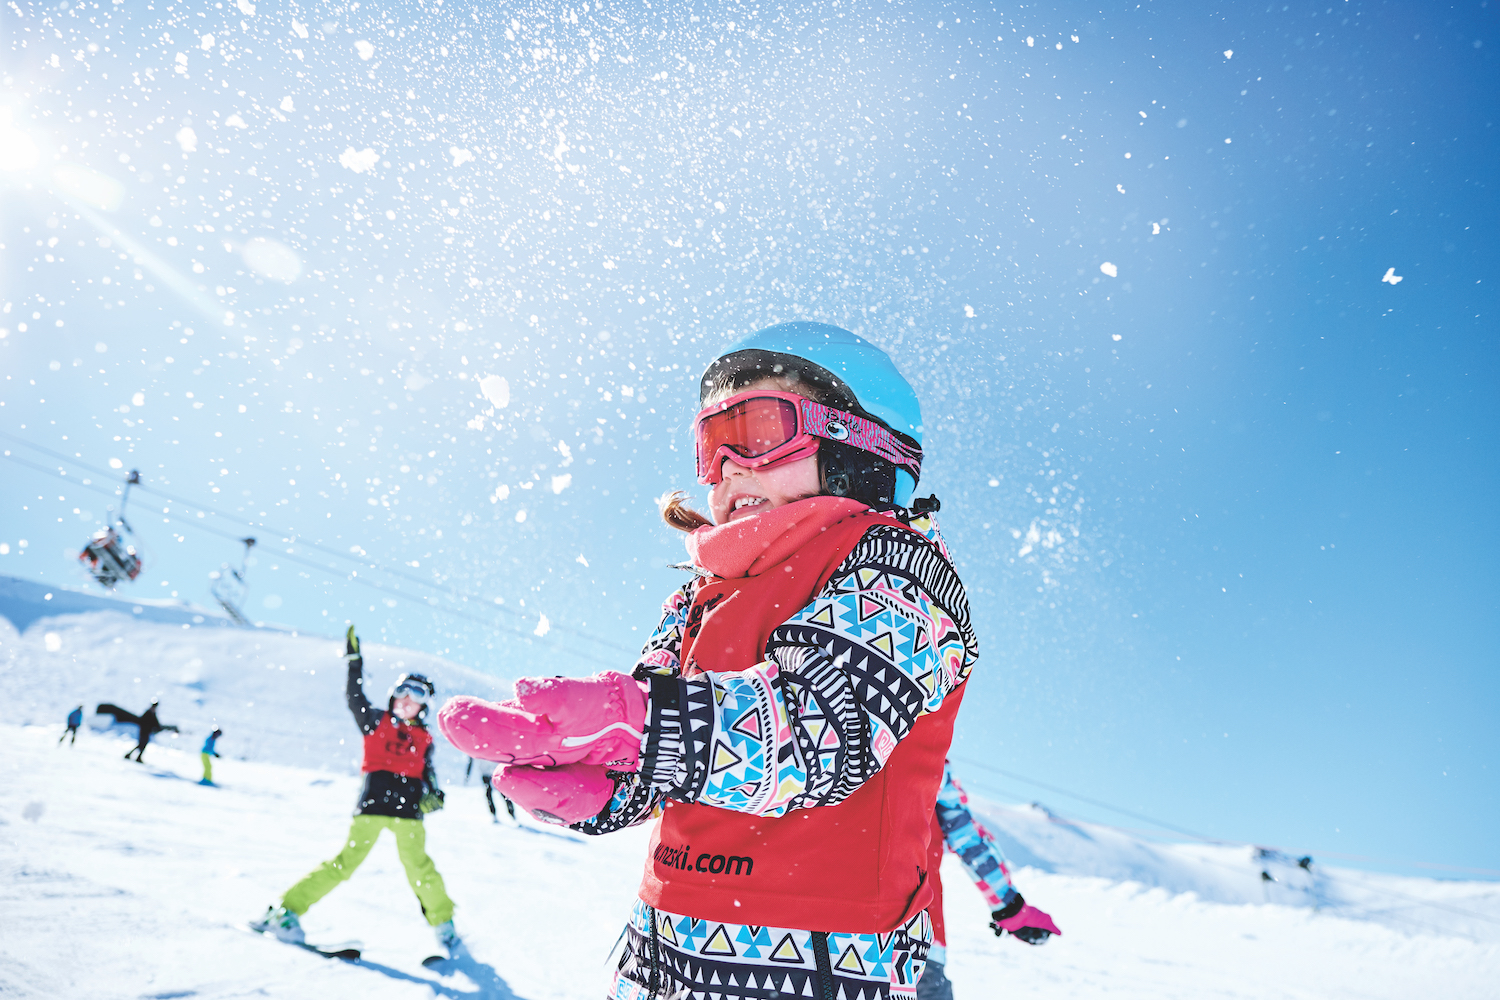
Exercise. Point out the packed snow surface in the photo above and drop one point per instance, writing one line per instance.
(129, 880)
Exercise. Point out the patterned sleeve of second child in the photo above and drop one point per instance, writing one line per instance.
(975, 847)
(845, 678)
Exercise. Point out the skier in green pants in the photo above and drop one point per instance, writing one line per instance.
(400, 787)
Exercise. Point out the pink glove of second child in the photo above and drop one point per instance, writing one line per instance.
(565, 794)
(552, 721)
(1028, 923)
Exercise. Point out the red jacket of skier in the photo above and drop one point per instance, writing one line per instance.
(397, 761)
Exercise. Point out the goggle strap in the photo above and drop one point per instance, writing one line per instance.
(857, 432)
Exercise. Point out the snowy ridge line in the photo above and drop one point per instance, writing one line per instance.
(355, 579)
(69, 600)
(1323, 872)
(1100, 851)
(1201, 838)
(1387, 891)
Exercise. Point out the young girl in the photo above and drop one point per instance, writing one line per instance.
(789, 718)
(400, 788)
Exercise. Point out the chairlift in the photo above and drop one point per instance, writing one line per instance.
(107, 556)
(229, 587)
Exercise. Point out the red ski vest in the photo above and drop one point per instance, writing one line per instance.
(935, 879)
(397, 747)
(856, 867)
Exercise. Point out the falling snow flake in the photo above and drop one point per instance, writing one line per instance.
(495, 389)
(358, 160)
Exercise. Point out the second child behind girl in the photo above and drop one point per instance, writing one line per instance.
(789, 718)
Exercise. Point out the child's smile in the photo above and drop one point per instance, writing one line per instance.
(744, 492)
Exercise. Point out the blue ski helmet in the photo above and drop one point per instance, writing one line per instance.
(856, 373)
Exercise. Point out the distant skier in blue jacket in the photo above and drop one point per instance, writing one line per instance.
(209, 753)
(75, 719)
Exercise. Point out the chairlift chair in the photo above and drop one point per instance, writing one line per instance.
(108, 557)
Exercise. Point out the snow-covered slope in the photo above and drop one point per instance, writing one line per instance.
(1033, 836)
(121, 880)
(278, 695)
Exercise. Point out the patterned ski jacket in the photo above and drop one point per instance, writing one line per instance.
(836, 719)
(843, 694)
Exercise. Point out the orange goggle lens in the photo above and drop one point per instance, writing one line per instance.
(751, 428)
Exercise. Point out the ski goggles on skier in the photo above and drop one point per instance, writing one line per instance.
(760, 429)
(412, 690)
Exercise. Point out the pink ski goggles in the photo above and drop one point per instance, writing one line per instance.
(759, 429)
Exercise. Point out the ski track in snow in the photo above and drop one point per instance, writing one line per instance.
(124, 880)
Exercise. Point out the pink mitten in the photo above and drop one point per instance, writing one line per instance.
(565, 794)
(552, 721)
(1029, 924)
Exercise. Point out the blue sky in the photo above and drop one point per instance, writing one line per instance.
(1206, 468)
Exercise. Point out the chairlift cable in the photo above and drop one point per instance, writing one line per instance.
(360, 581)
(1094, 802)
(291, 537)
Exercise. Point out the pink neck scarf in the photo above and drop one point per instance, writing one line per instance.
(748, 545)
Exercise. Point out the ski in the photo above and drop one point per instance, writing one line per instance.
(346, 954)
(348, 951)
(444, 964)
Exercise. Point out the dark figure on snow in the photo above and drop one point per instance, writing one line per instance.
(75, 719)
(149, 726)
(487, 777)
